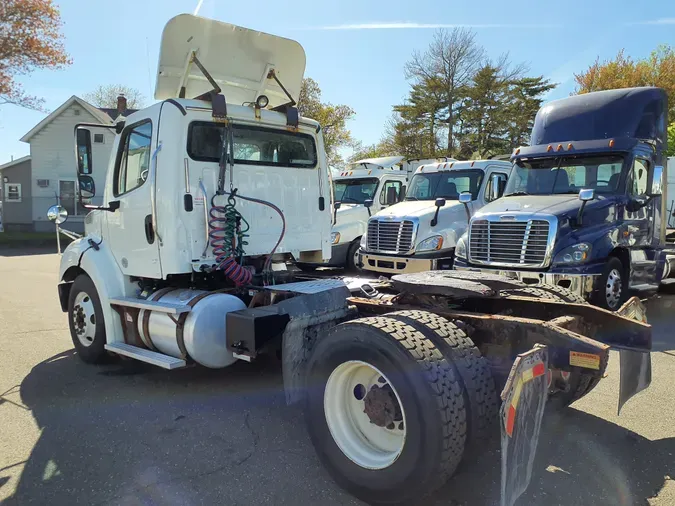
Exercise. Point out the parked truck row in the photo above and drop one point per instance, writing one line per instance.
(213, 197)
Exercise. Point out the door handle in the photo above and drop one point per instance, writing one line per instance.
(149, 230)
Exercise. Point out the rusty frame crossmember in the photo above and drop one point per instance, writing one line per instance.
(561, 326)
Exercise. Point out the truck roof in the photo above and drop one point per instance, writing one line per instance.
(370, 172)
(238, 59)
(461, 165)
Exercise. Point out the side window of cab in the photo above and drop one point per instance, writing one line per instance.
(639, 177)
(133, 159)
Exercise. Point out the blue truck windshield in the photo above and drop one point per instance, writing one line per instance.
(354, 191)
(551, 176)
(447, 185)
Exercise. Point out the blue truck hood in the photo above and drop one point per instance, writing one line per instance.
(557, 205)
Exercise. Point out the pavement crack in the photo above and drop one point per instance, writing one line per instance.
(255, 437)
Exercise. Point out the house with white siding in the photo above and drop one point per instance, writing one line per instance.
(53, 168)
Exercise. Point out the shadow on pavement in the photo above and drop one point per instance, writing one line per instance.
(127, 434)
(28, 251)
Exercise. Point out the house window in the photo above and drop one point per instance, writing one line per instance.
(12, 192)
(99, 139)
(68, 197)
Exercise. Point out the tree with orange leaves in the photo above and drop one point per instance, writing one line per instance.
(30, 38)
(623, 72)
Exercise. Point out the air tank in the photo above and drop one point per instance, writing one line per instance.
(203, 329)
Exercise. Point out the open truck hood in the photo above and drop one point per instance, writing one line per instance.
(238, 59)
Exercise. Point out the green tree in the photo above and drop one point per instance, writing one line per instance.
(443, 72)
(671, 140)
(332, 118)
(525, 99)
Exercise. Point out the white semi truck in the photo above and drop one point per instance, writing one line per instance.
(420, 233)
(380, 182)
(208, 205)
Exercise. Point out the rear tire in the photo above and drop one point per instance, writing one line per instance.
(85, 318)
(579, 384)
(474, 370)
(431, 404)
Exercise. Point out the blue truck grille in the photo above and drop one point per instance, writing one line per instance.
(512, 243)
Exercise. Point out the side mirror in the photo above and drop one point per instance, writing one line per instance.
(657, 182)
(392, 199)
(465, 197)
(440, 202)
(368, 203)
(83, 151)
(497, 187)
(86, 187)
(586, 194)
(57, 214)
(336, 206)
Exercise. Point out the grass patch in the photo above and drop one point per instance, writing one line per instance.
(20, 239)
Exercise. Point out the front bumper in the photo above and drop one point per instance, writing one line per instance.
(581, 284)
(403, 265)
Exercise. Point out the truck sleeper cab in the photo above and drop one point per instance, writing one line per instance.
(583, 208)
(420, 233)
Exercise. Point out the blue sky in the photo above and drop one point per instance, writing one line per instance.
(355, 49)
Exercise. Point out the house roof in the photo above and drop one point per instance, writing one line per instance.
(15, 162)
(100, 115)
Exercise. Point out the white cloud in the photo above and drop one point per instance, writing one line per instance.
(410, 25)
(660, 21)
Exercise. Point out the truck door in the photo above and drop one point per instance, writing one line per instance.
(130, 228)
(641, 226)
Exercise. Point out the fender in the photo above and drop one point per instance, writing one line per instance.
(83, 257)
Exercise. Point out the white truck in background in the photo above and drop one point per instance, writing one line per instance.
(209, 204)
(365, 187)
(420, 233)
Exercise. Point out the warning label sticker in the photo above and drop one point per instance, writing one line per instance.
(587, 360)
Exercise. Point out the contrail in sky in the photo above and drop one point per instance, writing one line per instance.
(199, 6)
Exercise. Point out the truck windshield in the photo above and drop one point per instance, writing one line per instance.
(561, 175)
(354, 191)
(447, 185)
(253, 145)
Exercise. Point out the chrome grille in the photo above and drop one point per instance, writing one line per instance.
(511, 243)
(389, 236)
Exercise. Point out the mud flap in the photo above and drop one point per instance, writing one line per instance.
(636, 374)
(636, 366)
(523, 402)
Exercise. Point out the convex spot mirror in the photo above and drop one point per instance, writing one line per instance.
(57, 214)
(86, 187)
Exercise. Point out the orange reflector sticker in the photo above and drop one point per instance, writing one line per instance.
(526, 376)
(587, 360)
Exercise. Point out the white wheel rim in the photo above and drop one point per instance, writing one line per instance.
(613, 288)
(356, 259)
(84, 319)
(366, 444)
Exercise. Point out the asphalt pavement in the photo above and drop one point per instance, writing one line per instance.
(128, 434)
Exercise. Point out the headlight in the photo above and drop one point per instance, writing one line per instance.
(433, 243)
(460, 249)
(575, 254)
(363, 242)
(335, 237)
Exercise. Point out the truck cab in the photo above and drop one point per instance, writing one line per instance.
(584, 207)
(365, 187)
(420, 233)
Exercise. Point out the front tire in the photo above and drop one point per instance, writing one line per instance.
(352, 261)
(85, 318)
(612, 288)
(385, 410)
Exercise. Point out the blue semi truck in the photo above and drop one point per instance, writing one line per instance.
(585, 206)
